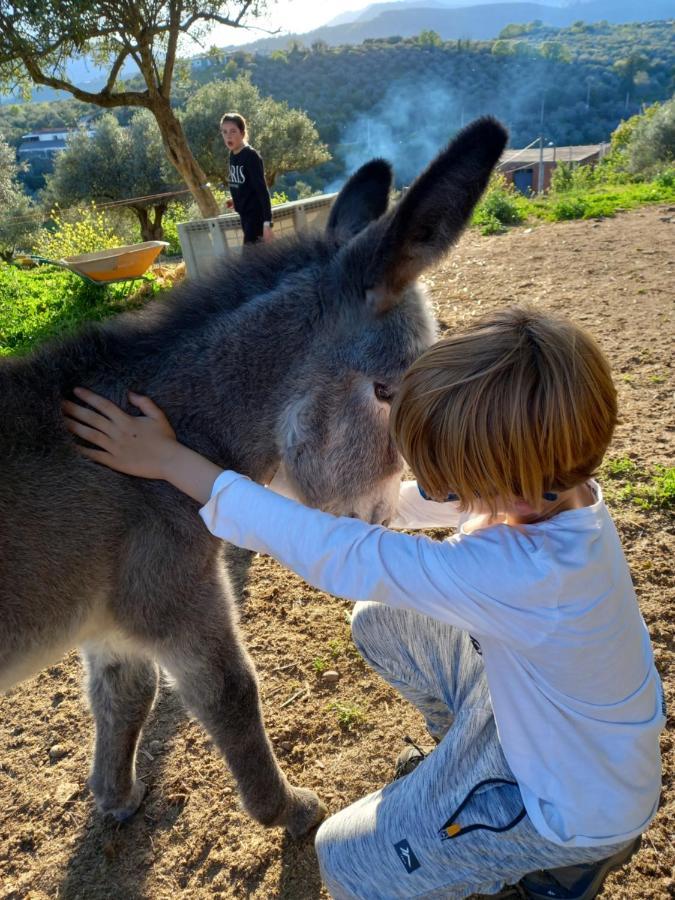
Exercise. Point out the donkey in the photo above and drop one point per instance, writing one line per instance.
(289, 356)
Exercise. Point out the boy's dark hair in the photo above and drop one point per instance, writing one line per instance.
(238, 120)
(521, 403)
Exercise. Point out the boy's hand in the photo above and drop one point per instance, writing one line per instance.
(136, 445)
(145, 445)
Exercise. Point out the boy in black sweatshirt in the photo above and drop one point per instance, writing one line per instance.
(248, 187)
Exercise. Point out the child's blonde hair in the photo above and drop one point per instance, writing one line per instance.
(520, 404)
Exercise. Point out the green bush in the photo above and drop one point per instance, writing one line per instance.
(498, 207)
(570, 177)
(561, 179)
(666, 179)
(490, 224)
(568, 208)
(279, 197)
(170, 234)
(177, 212)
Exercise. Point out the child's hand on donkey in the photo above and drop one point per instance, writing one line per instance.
(136, 445)
(144, 446)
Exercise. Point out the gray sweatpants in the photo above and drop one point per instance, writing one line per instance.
(456, 825)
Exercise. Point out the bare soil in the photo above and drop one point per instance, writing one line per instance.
(190, 839)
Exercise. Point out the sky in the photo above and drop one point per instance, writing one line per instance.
(289, 15)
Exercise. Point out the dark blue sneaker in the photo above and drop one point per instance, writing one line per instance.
(581, 882)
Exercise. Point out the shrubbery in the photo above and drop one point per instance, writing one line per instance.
(568, 208)
(82, 230)
(498, 208)
(569, 177)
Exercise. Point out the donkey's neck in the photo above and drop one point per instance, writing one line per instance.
(240, 383)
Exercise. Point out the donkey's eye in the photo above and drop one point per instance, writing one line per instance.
(383, 392)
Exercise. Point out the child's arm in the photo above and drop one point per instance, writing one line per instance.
(256, 171)
(144, 446)
(342, 556)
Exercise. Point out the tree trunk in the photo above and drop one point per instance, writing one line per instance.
(180, 155)
(151, 228)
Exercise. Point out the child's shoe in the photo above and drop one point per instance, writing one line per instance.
(581, 882)
(408, 759)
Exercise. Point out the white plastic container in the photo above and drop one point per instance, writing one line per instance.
(203, 241)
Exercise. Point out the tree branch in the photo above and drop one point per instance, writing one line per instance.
(170, 58)
(102, 98)
(114, 71)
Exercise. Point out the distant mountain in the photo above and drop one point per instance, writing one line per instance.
(482, 21)
(374, 9)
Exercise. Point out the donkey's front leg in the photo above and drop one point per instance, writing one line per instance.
(217, 681)
(121, 693)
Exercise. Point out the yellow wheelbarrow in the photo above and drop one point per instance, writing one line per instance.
(105, 266)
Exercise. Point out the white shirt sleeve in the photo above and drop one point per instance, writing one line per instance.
(415, 512)
(452, 581)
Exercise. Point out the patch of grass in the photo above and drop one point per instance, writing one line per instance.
(658, 492)
(656, 379)
(582, 198)
(349, 716)
(45, 302)
(621, 467)
(567, 207)
(336, 648)
(319, 665)
(648, 490)
(491, 225)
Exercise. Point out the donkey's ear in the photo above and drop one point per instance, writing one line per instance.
(362, 199)
(431, 214)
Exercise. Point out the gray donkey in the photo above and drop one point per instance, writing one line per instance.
(290, 356)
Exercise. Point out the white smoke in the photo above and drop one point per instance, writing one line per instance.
(418, 116)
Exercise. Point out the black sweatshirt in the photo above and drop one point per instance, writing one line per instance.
(248, 187)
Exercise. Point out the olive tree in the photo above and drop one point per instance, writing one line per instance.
(115, 164)
(37, 39)
(286, 138)
(17, 220)
(645, 143)
(652, 143)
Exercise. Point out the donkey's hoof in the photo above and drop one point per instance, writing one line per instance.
(305, 813)
(122, 812)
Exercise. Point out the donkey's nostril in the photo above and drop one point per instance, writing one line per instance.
(385, 523)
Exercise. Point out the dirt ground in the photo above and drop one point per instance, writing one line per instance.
(190, 839)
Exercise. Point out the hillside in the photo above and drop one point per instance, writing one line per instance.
(452, 22)
(403, 98)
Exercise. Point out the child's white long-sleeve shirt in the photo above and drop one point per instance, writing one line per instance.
(577, 700)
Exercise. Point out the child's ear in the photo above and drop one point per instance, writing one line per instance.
(363, 199)
(429, 217)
